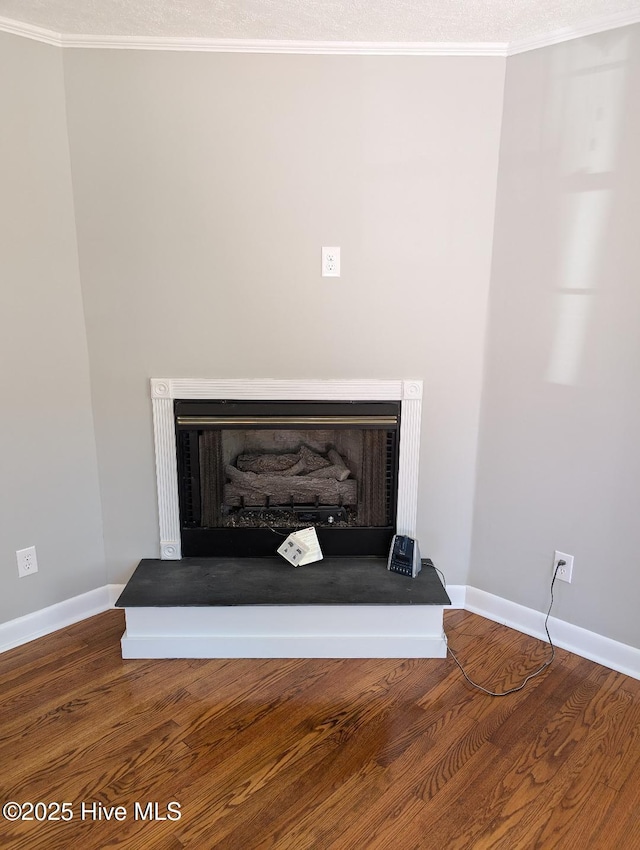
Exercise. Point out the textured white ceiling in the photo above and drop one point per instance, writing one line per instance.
(316, 20)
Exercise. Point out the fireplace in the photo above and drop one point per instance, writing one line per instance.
(241, 461)
(226, 606)
(249, 469)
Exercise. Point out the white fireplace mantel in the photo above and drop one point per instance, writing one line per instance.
(165, 390)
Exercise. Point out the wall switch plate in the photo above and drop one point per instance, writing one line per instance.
(331, 262)
(27, 561)
(565, 572)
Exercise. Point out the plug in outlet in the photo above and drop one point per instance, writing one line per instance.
(565, 572)
(331, 262)
(27, 561)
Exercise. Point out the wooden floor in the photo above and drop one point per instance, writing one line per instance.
(366, 754)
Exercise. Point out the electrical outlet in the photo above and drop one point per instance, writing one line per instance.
(27, 561)
(331, 262)
(565, 572)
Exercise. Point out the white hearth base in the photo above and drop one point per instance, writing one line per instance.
(298, 631)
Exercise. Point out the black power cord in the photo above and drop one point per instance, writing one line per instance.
(531, 675)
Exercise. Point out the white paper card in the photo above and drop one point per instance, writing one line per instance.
(308, 538)
(293, 551)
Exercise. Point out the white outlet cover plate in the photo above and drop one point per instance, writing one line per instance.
(27, 561)
(565, 573)
(331, 262)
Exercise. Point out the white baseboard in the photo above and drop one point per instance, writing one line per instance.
(610, 653)
(114, 592)
(54, 617)
(457, 595)
(285, 631)
(283, 646)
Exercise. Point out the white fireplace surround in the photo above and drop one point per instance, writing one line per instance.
(165, 390)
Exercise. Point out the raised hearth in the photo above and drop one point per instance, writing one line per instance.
(262, 607)
(345, 606)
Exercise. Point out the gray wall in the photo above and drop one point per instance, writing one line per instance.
(205, 186)
(49, 495)
(559, 457)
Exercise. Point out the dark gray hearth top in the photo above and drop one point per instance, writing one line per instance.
(272, 581)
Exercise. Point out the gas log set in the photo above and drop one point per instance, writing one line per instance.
(304, 477)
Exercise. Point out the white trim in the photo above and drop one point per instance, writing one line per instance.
(593, 27)
(582, 642)
(457, 595)
(245, 646)
(253, 45)
(277, 389)
(265, 621)
(308, 48)
(32, 32)
(166, 474)
(330, 48)
(409, 458)
(285, 631)
(165, 390)
(54, 617)
(114, 592)
(595, 647)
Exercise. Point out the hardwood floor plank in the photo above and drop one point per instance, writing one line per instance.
(430, 783)
(104, 630)
(556, 813)
(620, 826)
(452, 782)
(80, 711)
(18, 671)
(324, 754)
(303, 788)
(382, 797)
(296, 731)
(312, 750)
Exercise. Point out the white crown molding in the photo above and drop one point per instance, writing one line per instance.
(335, 48)
(329, 48)
(29, 31)
(249, 45)
(593, 27)
(350, 48)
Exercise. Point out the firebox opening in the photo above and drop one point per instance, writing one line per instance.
(249, 470)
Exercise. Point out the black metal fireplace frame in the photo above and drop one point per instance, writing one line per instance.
(252, 542)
